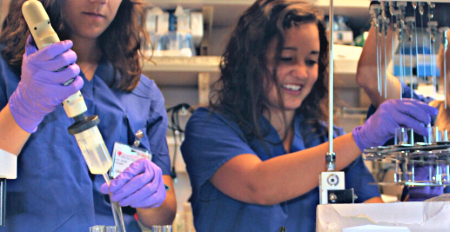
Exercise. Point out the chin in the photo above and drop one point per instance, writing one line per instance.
(290, 107)
(92, 34)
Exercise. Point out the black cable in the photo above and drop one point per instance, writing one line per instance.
(176, 130)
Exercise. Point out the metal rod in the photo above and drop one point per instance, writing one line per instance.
(401, 61)
(393, 50)
(416, 42)
(431, 61)
(421, 11)
(445, 68)
(417, 52)
(383, 30)
(432, 25)
(378, 60)
(394, 30)
(401, 64)
(411, 68)
(410, 25)
(116, 209)
(445, 45)
(385, 56)
(331, 76)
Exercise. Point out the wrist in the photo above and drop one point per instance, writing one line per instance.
(23, 113)
(359, 139)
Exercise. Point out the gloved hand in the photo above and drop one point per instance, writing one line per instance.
(41, 89)
(421, 193)
(139, 186)
(392, 114)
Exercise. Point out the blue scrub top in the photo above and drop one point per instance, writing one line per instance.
(54, 190)
(420, 193)
(213, 139)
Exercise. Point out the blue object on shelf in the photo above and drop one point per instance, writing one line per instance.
(421, 69)
(427, 70)
(420, 50)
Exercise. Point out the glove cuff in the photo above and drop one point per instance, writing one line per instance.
(360, 141)
(22, 114)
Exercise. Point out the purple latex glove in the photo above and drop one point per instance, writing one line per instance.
(41, 89)
(140, 186)
(421, 193)
(392, 114)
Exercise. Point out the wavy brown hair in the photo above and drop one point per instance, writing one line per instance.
(122, 42)
(241, 90)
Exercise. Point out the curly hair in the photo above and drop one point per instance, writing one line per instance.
(240, 90)
(122, 42)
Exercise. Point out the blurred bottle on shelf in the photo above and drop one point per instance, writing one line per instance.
(174, 32)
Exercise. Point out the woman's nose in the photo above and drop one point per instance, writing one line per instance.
(299, 71)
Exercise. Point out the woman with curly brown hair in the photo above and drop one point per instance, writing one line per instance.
(54, 190)
(255, 155)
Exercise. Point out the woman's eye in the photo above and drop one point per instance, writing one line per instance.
(286, 59)
(311, 62)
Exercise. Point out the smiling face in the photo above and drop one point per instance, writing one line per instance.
(89, 18)
(298, 66)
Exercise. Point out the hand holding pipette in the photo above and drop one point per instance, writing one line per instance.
(41, 89)
(140, 186)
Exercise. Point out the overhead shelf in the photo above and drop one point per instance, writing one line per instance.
(227, 12)
(183, 64)
(183, 71)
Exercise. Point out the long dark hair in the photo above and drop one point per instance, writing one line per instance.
(241, 90)
(122, 42)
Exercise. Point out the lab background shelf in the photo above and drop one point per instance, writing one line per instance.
(227, 12)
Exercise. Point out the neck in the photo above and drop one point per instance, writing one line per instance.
(280, 121)
(88, 53)
(87, 49)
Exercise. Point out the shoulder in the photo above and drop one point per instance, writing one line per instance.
(207, 114)
(147, 88)
(204, 114)
(205, 118)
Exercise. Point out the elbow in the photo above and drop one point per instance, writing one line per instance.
(362, 77)
(163, 218)
(365, 73)
(162, 215)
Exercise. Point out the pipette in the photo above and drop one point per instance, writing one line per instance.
(444, 30)
(85, 128)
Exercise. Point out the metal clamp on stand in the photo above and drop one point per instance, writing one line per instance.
(331, 160)
(332, 184)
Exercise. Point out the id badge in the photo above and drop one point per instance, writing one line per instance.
(124, 156)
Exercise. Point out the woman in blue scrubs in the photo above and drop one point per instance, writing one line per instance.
(54, 190)
(255, 155)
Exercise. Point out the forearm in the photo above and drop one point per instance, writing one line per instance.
(247, 178)
(12, 136)
(299, 172)
(164, 214)
(367, 71)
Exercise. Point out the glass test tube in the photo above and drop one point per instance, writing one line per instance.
(116, 209)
